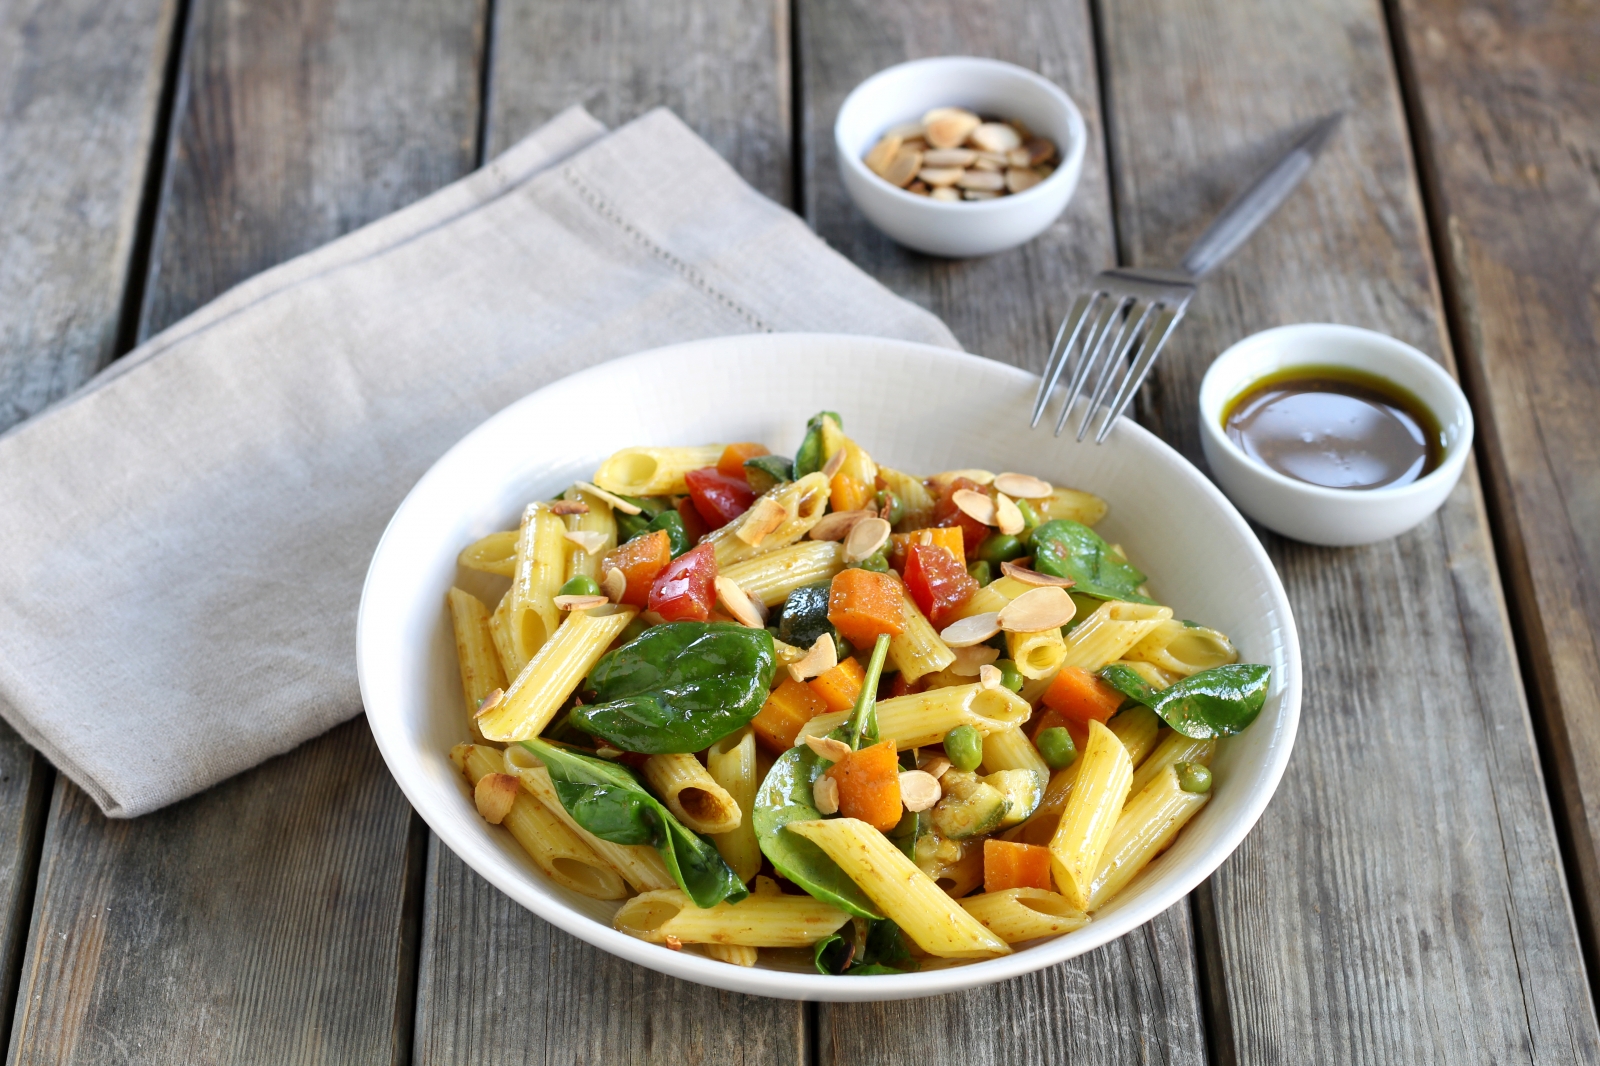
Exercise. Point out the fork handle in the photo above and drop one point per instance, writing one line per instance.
(1257, 203)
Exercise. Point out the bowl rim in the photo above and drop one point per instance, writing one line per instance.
(1444, 476)
(1066, 171)
(784, 984)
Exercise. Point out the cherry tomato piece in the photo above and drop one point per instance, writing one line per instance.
(938, 584)
(685, 590)
(719, 498)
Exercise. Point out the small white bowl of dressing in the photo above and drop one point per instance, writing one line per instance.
(1331, 434)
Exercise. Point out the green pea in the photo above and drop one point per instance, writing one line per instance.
(897, 510)
(877, 562)
(1193, 776)
(981, 572)
(1030, 517)
(1056, 745)
(582, 585)
(1010, 676)
(964, 747)
(1000, 548)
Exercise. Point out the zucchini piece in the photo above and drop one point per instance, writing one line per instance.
(970, 806)
(805, 617)
(1022, 790)
(766, 472)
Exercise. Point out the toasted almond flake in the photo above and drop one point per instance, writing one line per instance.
(984, 163)
(739, 603)
(835, 461)
(917, 188)
(590, 540)
(906, 130)
(822, 657)
(1033, 577)
(837, 525)
(918, 790)
(982, 180)
(489, 703)
(903, 167)
(1007, 517)
(1037, 610)
(617, 502)
(981, 477)
(673, 943)
(989, 676)
(975, 505)
(1019, 157)
(1022, 486)
(947, 127)
(974, 629)
(933, 765)
(866, 537)
(581, 603)
(493, 796)
(1040, 151)
(825, 795)
(940, 176)
(828, 748)
(615, 584)
(949, 157)
(1021, 179)
(996, 137)
(979, 194)
(765, 516)
(883, 152)
(969, 661)
(569, 507)
(946, 194)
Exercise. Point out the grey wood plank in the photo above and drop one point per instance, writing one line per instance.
(497, 984)
(1402, 899)
(273, 918)
(79, 87)
(1508, 108)
(1135, 1000)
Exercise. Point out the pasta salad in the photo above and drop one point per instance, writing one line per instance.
(815, 709)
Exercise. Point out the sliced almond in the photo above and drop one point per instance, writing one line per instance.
(865, 537)
(1040, 151)
(947, 127)
(1007, 516)
(1033, 577)
(569, 507)
(919, 790)
(765, 516)
(828, 748)
(837, 525)
(974, 629)
(949, 157)
(989, 676)
(905, 131)
(835, 461)
(941, 176)
(982, 181)
(933, 765)
(739, 604)
(581, 603)
(918, 188)
(590, 540)
(946, 195)
(969, 661)
(985, 163)
(975, 505)
(995, 137)
(494, 795)
(489, 703)
(822, 657)
(615, 584)
(883, 153)
(1021, 179)
(825, 795)
(979, 194)
(1019, 157)
(903, 167)
(1022, 486)
(1038, 610)
(617, 502)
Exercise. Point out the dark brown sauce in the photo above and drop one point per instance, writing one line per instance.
(1336, 427)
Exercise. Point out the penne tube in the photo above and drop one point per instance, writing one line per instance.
(559, 852)
(691, 793)
(736, 954)
(916, 501)
(1011, 749)
(992, 597)
(639, 864)
(1091, 813)
(551, 676)
(1070, 503)
(803, 504)
(494, 554)
(920, 718)
(1109, 631)
(731, 762)
(1139, 729)
(1183, 649)
(654, 471)
(917, 650)
(1172, 749)
(1147, 826)
(1037, 655)
(511, 663)
(598, 519)
(903, 892)
(1020, 914)
(481, 672)
(541, 570)
(761, 920)
(771, 576)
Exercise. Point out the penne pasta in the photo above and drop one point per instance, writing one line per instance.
(481, 672)
(1037, 655)
(920, 718)
(992, 597)
(1174, 748)
(736, 954)
(598, 519)
(1010, 749)
(691, 793)
(1146, 827)
(731, 762)
(916, 501)
(494, 554)
(917, 650)
(1109, 631)
(551, 676)
(803, 503)
(1090, 815)
(1139, 729)
(1183, 649)
(902, 891)
(541, 569)
(771, 576)
(761, 920)
(654, 471)
(511, 663)
(1020, 914)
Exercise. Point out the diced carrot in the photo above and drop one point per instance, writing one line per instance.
(949, 538)
(840, 686)
(849, 493)
(863, 604)
(640, 560)
(790, 706)
(1081, 696)
(734, 455)
(1007, 865)
(869, 785)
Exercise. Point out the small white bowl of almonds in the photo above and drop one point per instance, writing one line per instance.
(960, 156)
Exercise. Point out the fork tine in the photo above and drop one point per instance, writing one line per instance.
(1131, 329)
(1060, 351)
(1089, 354)
(1138, 370)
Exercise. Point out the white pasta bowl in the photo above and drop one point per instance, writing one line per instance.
(916, 407)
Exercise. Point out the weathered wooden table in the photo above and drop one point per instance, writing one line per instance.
(1425, 886)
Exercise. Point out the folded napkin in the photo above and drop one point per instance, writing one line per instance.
(184, 540)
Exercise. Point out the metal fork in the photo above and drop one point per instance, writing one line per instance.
(1131, 310)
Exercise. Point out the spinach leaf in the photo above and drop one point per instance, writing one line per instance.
(805, 617)
(766, 472)
(883, 952)
(809, 458)
(833, 954)
(672, 522)
(1213, 703)
(784, 797)
(1064, 548)
(679, 687)
(886, 945)
(608, 800)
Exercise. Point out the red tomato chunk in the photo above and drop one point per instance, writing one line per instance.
(938, 584)
(946, 513)
(686, 588)
(719, 498)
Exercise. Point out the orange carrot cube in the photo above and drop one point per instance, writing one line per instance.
(640, 560)
(734, 455)
(869, 785)
(947, 537)
(1081, 696)
(1007, 865)
(790, 706)
(863, 604)
(839, 687)
(849, 493)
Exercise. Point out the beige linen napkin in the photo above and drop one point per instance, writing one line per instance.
(182, 543)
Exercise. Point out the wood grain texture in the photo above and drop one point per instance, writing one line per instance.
(1402, 899)
(80, 82)
(1507, 103)
(721, 65)
(1135, 1000)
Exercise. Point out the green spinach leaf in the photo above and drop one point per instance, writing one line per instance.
(784, 797)
(809, 458)
(677, 536)
(1213, 703)
(1064, 548)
